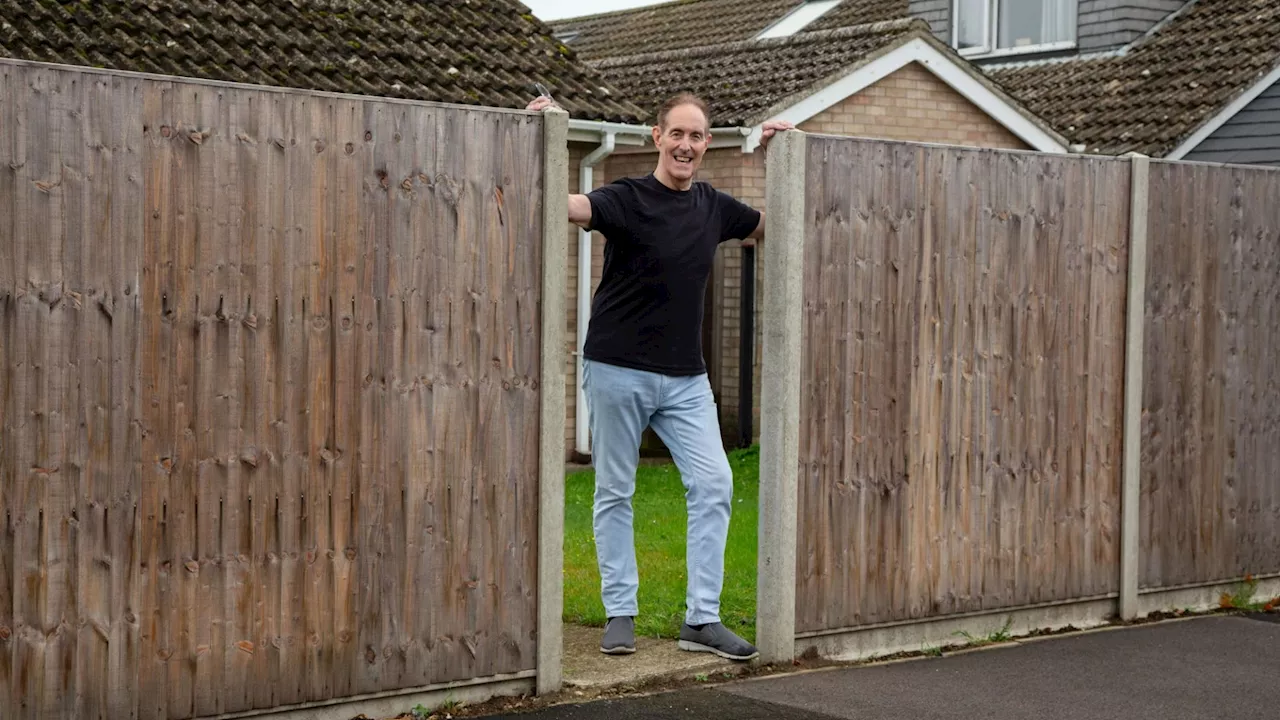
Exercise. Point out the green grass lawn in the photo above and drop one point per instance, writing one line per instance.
(660, 550)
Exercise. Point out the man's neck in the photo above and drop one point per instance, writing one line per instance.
(671, 182)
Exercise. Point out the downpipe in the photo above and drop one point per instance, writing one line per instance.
(586, 180)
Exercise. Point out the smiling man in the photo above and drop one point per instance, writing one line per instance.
(643, 367)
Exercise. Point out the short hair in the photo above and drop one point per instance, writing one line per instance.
(684, 98)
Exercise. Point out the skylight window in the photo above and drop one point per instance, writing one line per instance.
(798, 19)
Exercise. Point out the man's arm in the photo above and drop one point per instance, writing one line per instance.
(768, 130)
(579, 205)
(580, 211)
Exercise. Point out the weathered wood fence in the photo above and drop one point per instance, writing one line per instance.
(945, 362)
(1211, 376)
(272, 383)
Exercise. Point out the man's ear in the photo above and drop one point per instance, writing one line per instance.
(709, 138)
(657, 133)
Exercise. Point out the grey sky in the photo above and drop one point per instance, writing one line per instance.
(556, 9)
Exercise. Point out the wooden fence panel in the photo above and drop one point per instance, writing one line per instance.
(269, 391)
(1211, 432)
(962, 384)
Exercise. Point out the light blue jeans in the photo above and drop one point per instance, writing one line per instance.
(621, 403)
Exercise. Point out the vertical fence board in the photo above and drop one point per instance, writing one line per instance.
(209, 149)
(369, 376)
(274, 256)
(128, 395)
(237, 351)
(32, 233)
(348, 263)
(10, 419)
(93, 413)
(315, 144)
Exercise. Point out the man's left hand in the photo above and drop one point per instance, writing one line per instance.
(771, 128)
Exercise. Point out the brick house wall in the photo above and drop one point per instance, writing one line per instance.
(913, 104)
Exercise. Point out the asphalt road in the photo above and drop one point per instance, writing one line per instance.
(1213, 667)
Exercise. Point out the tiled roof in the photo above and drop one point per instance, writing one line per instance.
(1155, 94)
(476, 52)
(695, 23)
(743, 81)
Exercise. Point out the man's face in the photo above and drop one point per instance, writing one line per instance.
(682, 142)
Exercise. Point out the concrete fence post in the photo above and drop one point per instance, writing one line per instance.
(781, 326)
(1131, 497)
(551, 421)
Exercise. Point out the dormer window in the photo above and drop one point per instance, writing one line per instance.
(1006, 27)
(798, 19)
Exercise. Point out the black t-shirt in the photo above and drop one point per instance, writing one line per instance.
(660, 243)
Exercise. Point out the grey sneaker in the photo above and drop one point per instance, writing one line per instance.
(718, 639)
(619, 636)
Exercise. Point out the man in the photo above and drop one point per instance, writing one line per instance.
(643, 366)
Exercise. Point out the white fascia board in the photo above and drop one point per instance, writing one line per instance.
(945, 69)
(593, 131)
(596, 136)
(1230, 111)
(590, 131)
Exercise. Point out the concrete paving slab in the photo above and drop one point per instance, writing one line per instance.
(1207, 668)
(586, 667)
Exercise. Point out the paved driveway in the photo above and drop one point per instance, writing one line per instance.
(1216, 667)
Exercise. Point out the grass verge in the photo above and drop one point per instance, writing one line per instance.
(659, 522)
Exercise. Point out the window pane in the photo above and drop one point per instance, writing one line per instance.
(971, 24)
(1024, 23)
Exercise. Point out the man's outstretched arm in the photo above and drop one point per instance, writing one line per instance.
(580, 211)
(757, 234)
(768, 130)
(579, 205)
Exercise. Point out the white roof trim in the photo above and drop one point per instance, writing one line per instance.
(800, 17)
(1230, 111)
(594, 131)
(602, 127)
(946, 69)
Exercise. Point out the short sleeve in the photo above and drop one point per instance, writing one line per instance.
(738, 220)
(608, 210)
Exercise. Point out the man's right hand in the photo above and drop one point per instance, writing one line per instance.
(542, 102)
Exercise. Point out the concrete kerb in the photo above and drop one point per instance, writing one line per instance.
(555, 255)
(1094, 615)
(396, 703)
(918, 636)
(1201, 597)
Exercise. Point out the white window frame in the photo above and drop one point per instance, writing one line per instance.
(992, 34)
